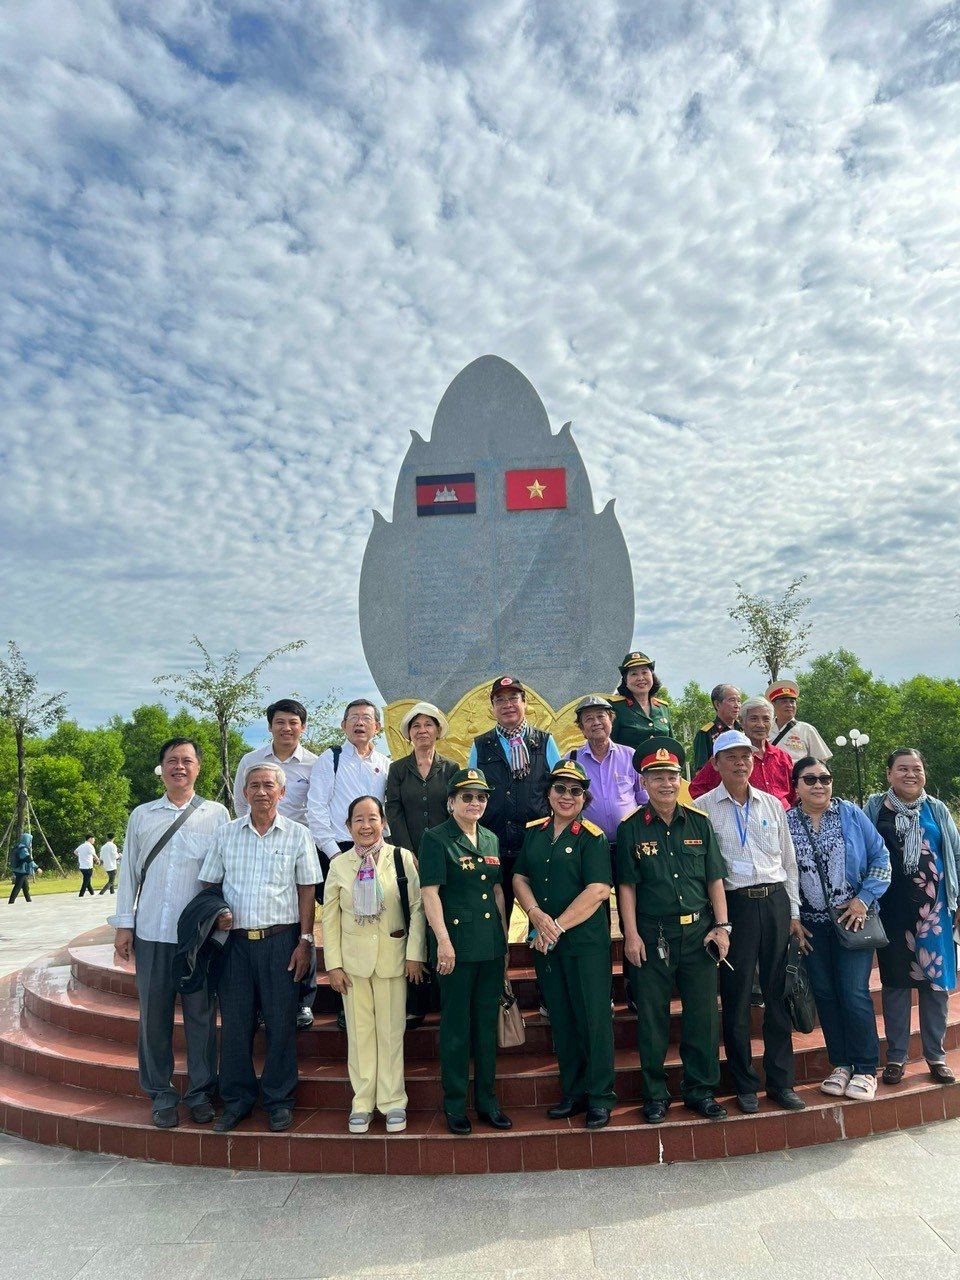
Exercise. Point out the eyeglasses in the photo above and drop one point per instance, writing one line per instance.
(471, 796)
(811, 779)
(562, 789)
(361, 720)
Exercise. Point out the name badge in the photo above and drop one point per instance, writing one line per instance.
(743, 869)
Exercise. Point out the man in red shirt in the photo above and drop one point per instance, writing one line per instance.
(772, 766)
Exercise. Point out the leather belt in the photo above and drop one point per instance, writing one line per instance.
(690, 918)
(257, 935)
(760, 890)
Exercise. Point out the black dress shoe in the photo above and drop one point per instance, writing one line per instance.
(940, 1072)
(567, 1108)
(893, 1072)
(598, 1117)
(787, 1099)
(202, 1114)
(228, 1120)
(655, 1112)
(495, 1119)
(414, 1020)
(709, 1108)
(280, 1118)
(748, 1103)
(459, 1125)
(165, 1117)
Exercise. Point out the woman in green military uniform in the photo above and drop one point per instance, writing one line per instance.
(561, 880)
(638, 715)
(463, 900)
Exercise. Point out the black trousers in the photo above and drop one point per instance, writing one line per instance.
(111, 884)
(21, 884)
(761, 931)
(507, 862)
(86, 885)
(255, 977)
(308, 983)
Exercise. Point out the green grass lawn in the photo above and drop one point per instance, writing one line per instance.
(50, 882)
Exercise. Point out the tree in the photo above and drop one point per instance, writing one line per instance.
(323, 722)
(27, 711)
(217, 689)
(774, 636)
(147, 727)
(688, 712)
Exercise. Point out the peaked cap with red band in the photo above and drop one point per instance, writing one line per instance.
(659, 753)
(782, 689)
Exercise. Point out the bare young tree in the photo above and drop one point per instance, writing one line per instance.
(775, 638)
(218, 690)
(28, 712)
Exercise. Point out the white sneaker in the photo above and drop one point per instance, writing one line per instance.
(359, 1122)
(396, 1120)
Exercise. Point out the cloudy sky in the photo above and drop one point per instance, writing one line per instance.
(245, 247)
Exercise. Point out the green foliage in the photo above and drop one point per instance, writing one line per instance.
(148, 727)
(774, 636)
(688, 712)
(323, 722)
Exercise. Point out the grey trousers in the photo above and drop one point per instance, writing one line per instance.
(933, 1021)
(157, 993)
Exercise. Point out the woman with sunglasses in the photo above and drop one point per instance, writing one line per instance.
(918, 913)
(561, 880)
(834, 837)
(463, 900)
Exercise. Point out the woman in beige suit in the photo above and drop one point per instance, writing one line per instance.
(370, 956)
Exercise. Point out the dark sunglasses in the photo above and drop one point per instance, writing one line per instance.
(470, 796)
(811, 779)
(562, 789)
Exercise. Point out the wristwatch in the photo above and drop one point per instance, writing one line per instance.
(723, 924)
(308, 937)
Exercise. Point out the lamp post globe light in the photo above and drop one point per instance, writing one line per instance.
(858, 741)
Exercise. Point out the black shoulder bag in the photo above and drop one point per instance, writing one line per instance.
(422, 998)
(797, 992)
(872, 936)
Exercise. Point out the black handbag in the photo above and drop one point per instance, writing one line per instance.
(872, 936)
(423, 997)
(797, 992)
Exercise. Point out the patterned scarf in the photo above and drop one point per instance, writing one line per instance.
(517, 747)
(907, 823)
(367, 890)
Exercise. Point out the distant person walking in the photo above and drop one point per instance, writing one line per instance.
(86, 856)
(108, 860)
(23, 867)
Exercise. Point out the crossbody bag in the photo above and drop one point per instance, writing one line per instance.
(872, 936)
(165, 839)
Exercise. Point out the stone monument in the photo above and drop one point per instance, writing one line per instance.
(494, 562)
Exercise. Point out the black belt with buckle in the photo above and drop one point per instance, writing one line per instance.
(691, 917)
(760, 890)
(257, 935)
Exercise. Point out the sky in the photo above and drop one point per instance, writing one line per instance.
(244, 248)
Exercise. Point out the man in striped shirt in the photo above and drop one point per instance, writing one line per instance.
(267, 868)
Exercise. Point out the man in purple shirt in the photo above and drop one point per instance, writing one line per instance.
(614, 783)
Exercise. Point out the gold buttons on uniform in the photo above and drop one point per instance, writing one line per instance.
(456, 922)
(484, 896)
(483, 877)
(486, 915)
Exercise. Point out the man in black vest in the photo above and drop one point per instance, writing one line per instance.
(515, 759)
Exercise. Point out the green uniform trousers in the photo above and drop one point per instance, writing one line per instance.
(576, 990)
(695, 976)
(469, 1002)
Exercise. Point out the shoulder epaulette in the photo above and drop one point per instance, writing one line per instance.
(660, 702)
(693, 809)
(705, 728)
(616, 697)
(631, 813)
(591, 827)
(539, 822)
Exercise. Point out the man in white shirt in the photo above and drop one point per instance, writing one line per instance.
(796, 737)
(267, 868)
(86, 857)
(149, 926)
(108, 860)
(287, 720)
(343, 773)
(763, 910)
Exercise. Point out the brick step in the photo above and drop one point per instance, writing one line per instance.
(87, 1120)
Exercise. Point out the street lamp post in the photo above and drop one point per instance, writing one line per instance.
(858, 741)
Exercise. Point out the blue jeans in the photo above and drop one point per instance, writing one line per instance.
(840, 980)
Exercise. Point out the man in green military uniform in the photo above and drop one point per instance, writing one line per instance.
(671, 881)
(463, 900)
(561, 880)
(638, 715)
(726, 704)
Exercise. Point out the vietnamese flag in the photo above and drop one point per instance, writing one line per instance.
(534, 490)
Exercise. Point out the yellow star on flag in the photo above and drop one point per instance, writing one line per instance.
(536, 490)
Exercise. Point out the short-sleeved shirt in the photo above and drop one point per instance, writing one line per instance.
(84, 855)
(560, 869)
(671, 866)
(631, 724)
(465, 876)
(260, 873)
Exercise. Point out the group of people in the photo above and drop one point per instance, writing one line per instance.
(24, 867)
(417, 863)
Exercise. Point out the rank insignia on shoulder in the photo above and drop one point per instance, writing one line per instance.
(693, 809)
(705, 728)
(538, 822)
(659, 702)
(616, 697)
(591, 827)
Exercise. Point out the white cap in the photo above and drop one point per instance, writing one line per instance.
(731, 738)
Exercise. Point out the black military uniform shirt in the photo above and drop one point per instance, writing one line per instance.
(559, 871)
(465, 877)
(670, 865)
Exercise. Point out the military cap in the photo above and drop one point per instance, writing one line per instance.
(423, 709)
(506, 684)
(467, 780)
(636, 659)
(660, 753)
(591, 702)
(782, 689)
(570, 771)
(731, 738)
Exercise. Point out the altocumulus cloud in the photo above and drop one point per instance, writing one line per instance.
(245, 248)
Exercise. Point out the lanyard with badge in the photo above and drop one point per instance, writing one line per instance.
(743, 867)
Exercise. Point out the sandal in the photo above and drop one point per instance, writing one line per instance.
(837, 1081)
(893, 1072)
(862, 1087)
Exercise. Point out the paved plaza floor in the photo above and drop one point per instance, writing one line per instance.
(886, 1206)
